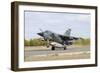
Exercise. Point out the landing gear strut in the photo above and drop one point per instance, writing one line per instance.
(65, 47)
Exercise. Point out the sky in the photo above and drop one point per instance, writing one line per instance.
(57, 22)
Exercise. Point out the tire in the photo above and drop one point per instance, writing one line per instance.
(65, 48)
(53, 48)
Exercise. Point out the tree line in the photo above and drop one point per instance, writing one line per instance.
(40, 42)
(34, 42)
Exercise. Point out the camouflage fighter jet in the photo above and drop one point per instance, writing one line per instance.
(53, 39)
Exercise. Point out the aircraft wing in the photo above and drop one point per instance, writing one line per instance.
(69, 37)
(75, 38)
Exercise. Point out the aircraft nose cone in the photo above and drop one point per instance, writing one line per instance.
(41, 34)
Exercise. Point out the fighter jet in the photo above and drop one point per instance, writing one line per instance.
(53, 38)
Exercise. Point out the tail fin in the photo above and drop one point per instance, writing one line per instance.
(68, 32)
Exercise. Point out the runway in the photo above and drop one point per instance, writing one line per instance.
(57, 51)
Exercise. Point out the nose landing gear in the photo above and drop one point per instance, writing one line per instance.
(53, 48)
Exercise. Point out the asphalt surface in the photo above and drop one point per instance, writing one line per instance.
(49, 51)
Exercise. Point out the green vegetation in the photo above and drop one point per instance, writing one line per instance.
(34, 42)
(82, 42)
(40, 42)
(27, 42)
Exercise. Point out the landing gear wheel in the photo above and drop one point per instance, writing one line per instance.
(65, 48)
(53, 48)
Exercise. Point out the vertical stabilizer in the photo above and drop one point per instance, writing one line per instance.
(68, 32)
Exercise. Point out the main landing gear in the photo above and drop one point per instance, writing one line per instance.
(65, 48)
